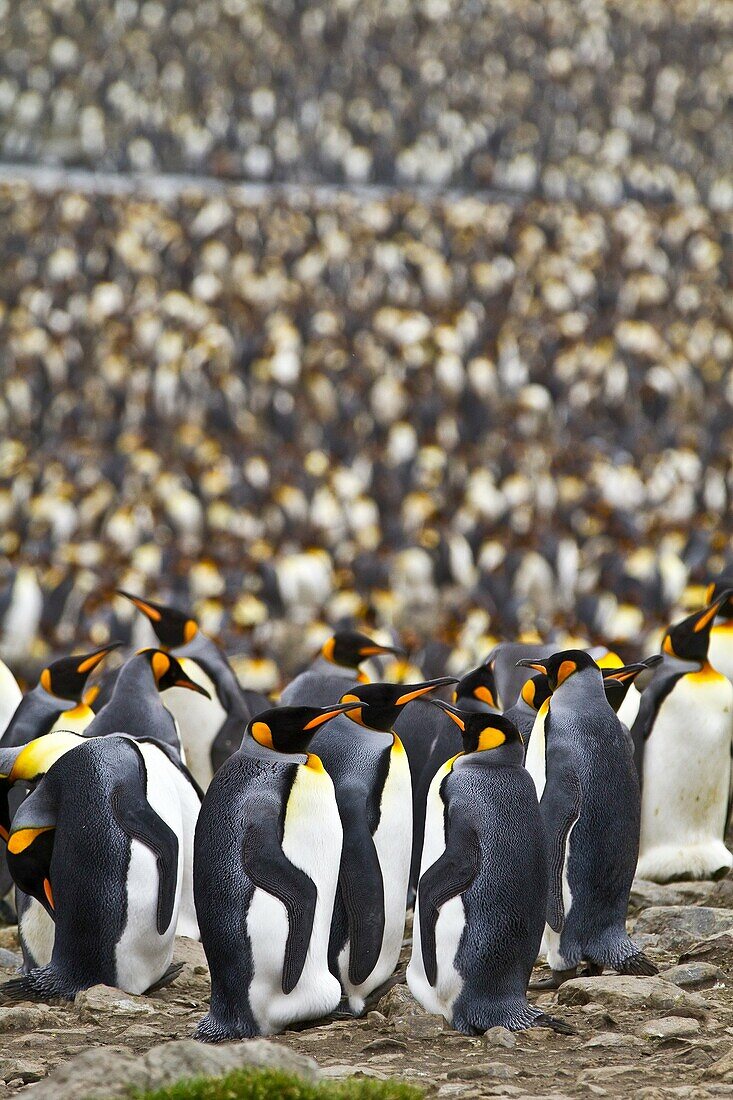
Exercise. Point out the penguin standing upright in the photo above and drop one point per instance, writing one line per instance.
(683, 734)
(336, 666)
(482, 895)
(720, 650)
(582, 765)
(211, 726)
(477, 690)
(268, 847)
(371, 774)
(98, 843)
(59, 691)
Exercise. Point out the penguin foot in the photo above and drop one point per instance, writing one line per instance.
(165, 979)
(638, 965)
(592, 970)
(557, 978)
(554, 1024)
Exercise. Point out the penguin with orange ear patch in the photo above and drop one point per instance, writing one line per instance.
(582, 765)
(482, 895)
(683, 737)
(523, 714)
(267, 854)
(371, 774)
(334, 668)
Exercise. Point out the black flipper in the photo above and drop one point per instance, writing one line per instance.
(227, 740)
(448, 877)
(165, 979)
(362, 890)
(136, 817)
(560, 809)
(269, 868)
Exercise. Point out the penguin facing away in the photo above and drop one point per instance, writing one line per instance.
(112, 890)
(581, 762)
(211, 727)
(482, 895)
(267, 853)
(335, 667)
(136, 705)
(686, 769)
(58, 693)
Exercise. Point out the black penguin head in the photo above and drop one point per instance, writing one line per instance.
(724, 583)
(617, 681)
(167, 672)
(690, 638)
(477, 685)
(349, 648)
(560, 666)
(535, 691)
(480, 732)
(172, 628)
(67, 677)
(385, 701)
(290, 729)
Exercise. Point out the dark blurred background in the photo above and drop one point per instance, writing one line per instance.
(410, 314)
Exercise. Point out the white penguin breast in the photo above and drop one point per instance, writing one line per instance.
(10, 696)
(199, 720)
(38, 932)
(312, 840)
(720, 652)
(536, 762)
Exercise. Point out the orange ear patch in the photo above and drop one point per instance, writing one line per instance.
(160, 665)
(46, 680)
(484, 694)
(490, 738)
(567, 668)
(262, 734)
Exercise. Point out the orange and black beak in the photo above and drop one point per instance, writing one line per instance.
(172, 628)
(689, 639)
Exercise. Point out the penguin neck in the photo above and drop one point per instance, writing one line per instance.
(253, 750)
(136, 681)
(510, 754)
(323, 667)
(578, 690)
(476, 706)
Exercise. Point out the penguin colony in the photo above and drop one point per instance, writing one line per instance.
(292, 838)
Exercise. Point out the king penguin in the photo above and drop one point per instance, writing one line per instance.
(535, 691)
(371, 773)
(683, 731)
(582, 765)
(99, 845)
(268, 848)
(477, 690)
(211, 726)
(482, 895)
(335, 667)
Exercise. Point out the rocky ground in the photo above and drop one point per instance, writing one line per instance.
(662, 1037)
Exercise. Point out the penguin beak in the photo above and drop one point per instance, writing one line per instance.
(327, 713)
(628, 672)
(148, 609)
(706, 617)
(184, 682)
(424, 689)
(452, 713)
(93, 659)
(653, 661)
(527, 663)
(375, 650)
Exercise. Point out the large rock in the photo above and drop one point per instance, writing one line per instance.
(645, 894)
(695, 975)
(717, 950)
(108, 1073)
(103, 1000)
(633, 994)
(680, 926)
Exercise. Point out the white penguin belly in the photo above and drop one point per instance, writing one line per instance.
(312, 840)
(720, 651)
(686, 781)
(440, 998)
(536, 763)
(629, 709)
(199, 720)
(10, 696)
(143, 955)
(550, 945)
(393, 843)
(37, 932)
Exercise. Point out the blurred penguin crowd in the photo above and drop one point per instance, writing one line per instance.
(449, 418)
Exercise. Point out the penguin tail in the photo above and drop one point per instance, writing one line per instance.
(552, 1022)
(40, 984)
(638, 965)
(165, 979)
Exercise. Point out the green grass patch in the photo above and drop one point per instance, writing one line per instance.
(267, 1084)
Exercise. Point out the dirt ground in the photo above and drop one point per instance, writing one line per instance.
(656, 1039)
